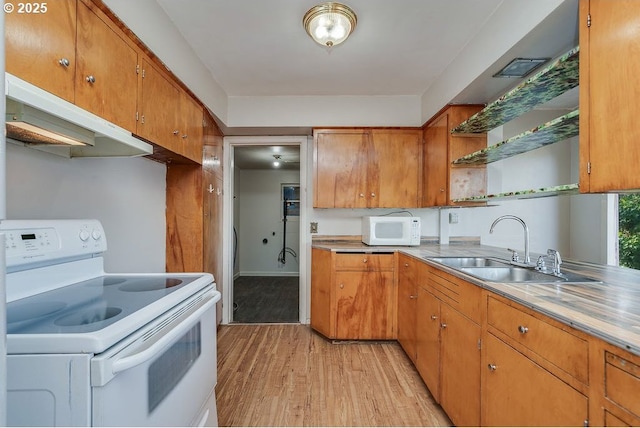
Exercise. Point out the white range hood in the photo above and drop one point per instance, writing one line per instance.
(38, 119)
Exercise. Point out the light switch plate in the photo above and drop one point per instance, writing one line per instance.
(313, 227)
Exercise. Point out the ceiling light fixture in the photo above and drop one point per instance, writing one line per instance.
(276, 162)
(329, 23)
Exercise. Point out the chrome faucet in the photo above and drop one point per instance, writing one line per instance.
(527, 258)
(557, 261)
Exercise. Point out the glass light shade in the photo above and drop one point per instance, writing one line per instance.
(329, 24)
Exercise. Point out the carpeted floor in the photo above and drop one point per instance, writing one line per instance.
(266, 299)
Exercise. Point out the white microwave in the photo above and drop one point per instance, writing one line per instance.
(391, 230)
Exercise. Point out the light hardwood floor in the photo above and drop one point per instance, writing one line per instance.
(287, 375)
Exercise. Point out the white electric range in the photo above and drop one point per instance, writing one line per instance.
(87, 348)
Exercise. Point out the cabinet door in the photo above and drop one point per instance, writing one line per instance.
(322, 293)
(436, 173)
(407, 299)
(191, 132)
(340, 169)
(460, 381)
(394, 175)
(518, 392)
(428, 341)
(158, 121)
(41, 47)
(212, 138)
(364, 305)
(212, 201)
(609, 96)
(106, 71)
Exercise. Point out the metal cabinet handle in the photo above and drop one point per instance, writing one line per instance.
(492, 367)
(522, 329)
(176, 132)
(341, 285)
(406, 265)
(361, 195)
(184, 136)
(442, 190)
(373, 195)
(443, 325)
(91, 79)
(364, 260)
(64, 62)
(412, 296)
(433, 317)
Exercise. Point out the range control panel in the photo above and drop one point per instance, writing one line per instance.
(43, 242)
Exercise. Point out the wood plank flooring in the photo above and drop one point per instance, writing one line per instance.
(287, 375)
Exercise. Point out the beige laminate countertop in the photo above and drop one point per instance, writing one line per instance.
(609, 309)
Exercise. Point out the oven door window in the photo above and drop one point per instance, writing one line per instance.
(170, 367)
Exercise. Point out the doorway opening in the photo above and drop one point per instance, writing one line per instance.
(266, 251)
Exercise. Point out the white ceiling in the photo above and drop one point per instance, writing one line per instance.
(400, 47)
(258, 48)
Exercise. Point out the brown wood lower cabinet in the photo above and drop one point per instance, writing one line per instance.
(428, 341)
(518, 392)
(460, 367)
(353, 295)
(408, 277)
(448, 344)
(614, 399)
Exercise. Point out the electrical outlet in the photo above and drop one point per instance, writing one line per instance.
(313, 227)
(453, 218)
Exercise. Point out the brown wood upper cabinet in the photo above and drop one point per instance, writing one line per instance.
(41, 47)
(367, 168)
(106, 68)
(609, 101)
(442, 181)
(76, 52)
(168, 116)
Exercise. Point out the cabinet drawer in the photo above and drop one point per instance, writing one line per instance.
(622, 382)
(558, 346)
(408, 268)
(364, 261)
(459, 294)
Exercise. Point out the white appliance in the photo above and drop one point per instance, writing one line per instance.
(38, 119)
(389, 230)
(87, 348)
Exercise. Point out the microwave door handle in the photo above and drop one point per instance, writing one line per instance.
(128, 362)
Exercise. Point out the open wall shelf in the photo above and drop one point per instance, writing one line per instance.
(565, 189)
(552, 81)
(556, 130)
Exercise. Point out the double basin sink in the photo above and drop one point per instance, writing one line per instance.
(497, 270)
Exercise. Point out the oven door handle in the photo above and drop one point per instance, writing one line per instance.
(130, 361)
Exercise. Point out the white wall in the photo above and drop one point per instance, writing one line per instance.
(126, 194)
(260, 218)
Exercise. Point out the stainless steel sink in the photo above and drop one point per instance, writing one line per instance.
(458, 262)
(519, 274)
(498, 270)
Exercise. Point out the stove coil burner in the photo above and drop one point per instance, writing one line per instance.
(150, 284)
(87, 316)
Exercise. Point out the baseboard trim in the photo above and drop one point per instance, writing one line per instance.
(266, 274)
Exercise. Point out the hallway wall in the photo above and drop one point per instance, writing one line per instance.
(260, 215)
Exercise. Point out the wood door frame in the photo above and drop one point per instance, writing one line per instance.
(227, 220)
